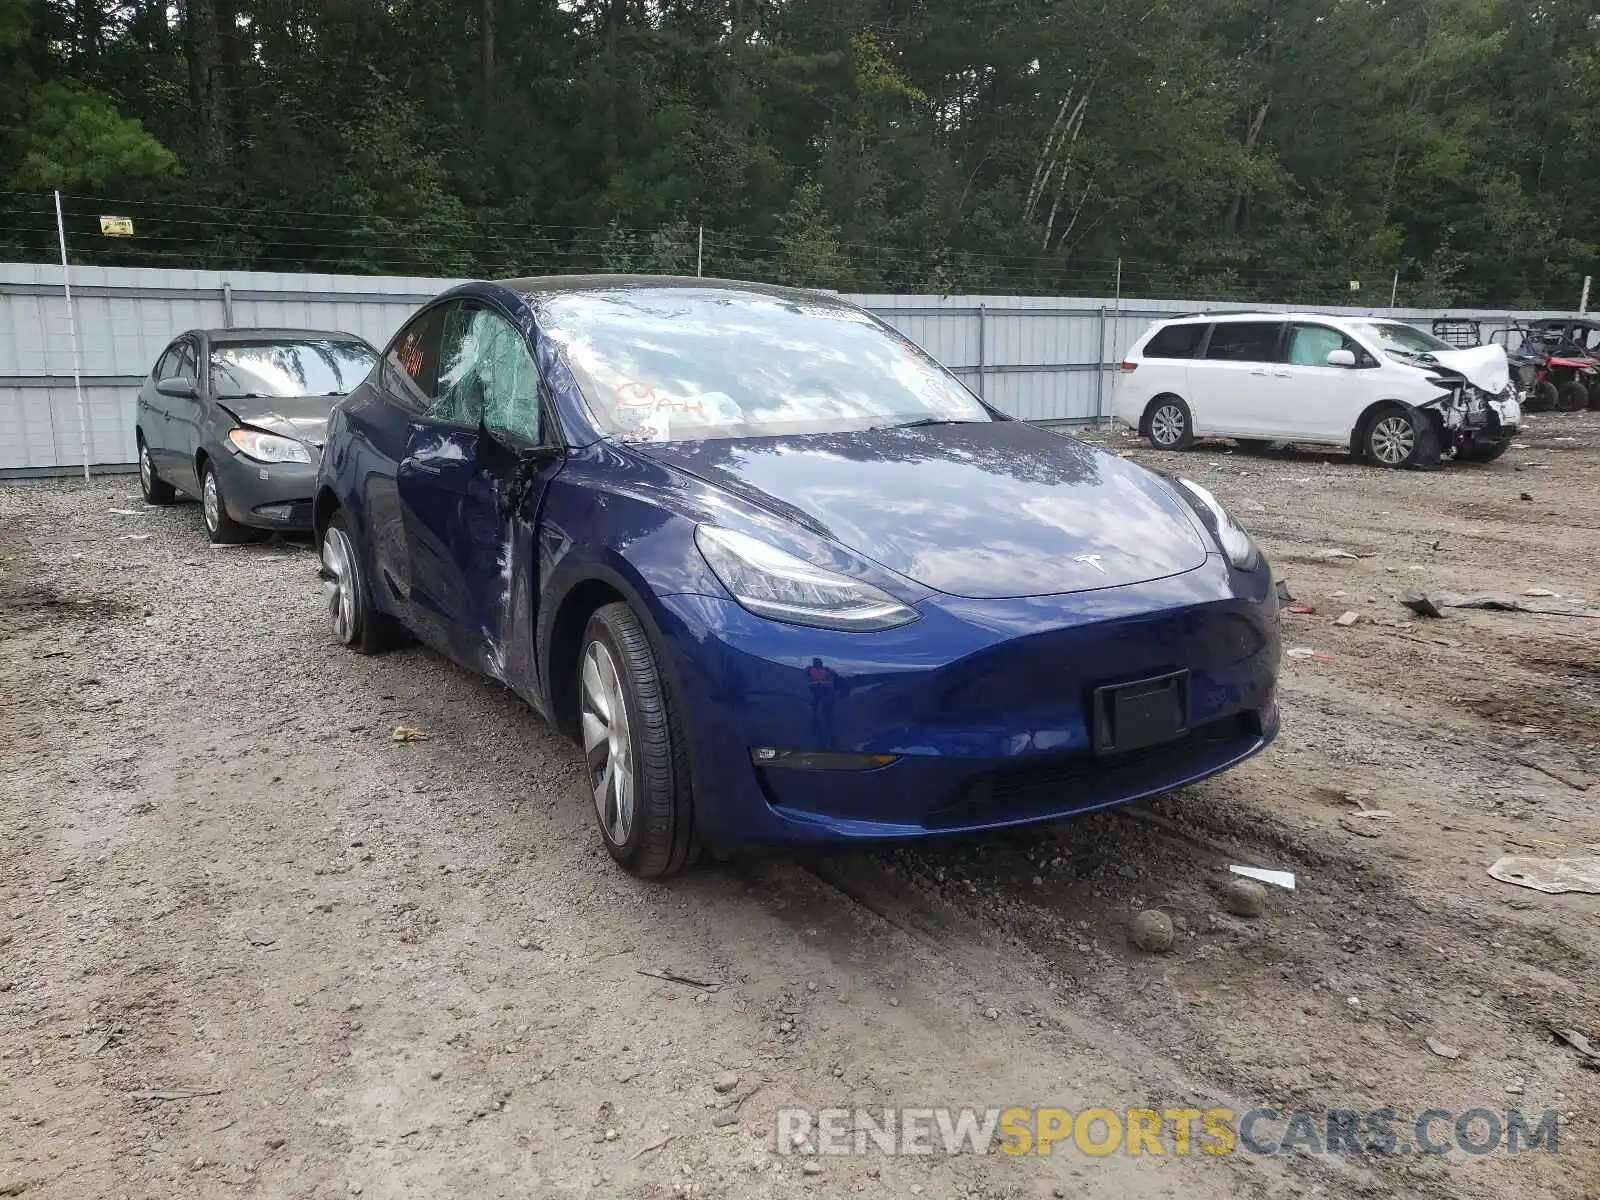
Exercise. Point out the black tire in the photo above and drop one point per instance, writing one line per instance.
(1394, 437)
(1482, 449)
(353, 618)
(1254, 445)
(1572, 396)
(1542, 397)
(220, 527)
(154, 489)
(658, 837)
(1169, 424)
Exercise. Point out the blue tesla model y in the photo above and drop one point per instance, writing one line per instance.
(781, 575)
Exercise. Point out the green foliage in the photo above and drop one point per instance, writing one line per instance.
(1240, 149)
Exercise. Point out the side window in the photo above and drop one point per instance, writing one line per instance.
(487, 373)
(185, 366)
(411, 368)
(1176, 341)
(1310, 345)
(1244, 341)
(167, 365)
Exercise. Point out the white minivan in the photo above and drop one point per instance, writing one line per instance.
(1384, 390)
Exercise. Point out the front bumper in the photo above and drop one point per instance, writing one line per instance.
(267, 495)
(984, 704)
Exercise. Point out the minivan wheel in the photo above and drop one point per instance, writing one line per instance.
(154, 489)
(352, 616)
(636, 767)
(1168, 424)
(1392, 438)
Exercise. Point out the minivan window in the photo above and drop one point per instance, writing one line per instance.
(1244, 341)
(1310, 345)
(1176, 341)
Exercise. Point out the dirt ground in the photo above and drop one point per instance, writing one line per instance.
(250, 945)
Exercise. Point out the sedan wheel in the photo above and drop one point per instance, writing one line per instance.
(151, 485)
(1392, 440)
(636, 766)
(607, 744)
(220, 527)
(354, 619)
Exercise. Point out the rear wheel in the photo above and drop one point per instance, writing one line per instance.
(635, 759)
(1393, 438)
(1572, 396)
(1168, 424)
(155, 489)
(1542, 396)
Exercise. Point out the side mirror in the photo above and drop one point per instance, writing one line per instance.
(178, 389)
(1341, 358)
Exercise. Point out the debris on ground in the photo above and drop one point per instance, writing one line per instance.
(1421, 603)
(1580, 1043)
(1568, 776)
(258, 937)
(1152, 931)
(1552, 875)
(1366, 821)
(1347, 618)
(409, 733)
(1283, 592)
(1306, 652)
(1283, 879)
(1245, 898)
(1443, 1050)
(1304, 610)
(1541, 593)
(1335, 555)
(1497, 602)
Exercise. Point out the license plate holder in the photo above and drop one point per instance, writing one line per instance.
(1145, 712)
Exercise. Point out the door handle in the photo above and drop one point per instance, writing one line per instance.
(1284, 374)
(1258, 371)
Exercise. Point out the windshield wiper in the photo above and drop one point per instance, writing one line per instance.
(918, 422)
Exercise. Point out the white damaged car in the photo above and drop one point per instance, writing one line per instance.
(1385, 390)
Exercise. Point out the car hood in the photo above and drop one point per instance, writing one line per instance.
(1482, 366)
(984, 510)
(304, 418)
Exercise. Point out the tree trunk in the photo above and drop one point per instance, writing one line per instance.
(1252, 140)
(487, 30)
(203, 48)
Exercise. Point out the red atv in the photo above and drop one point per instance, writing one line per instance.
(1560, 357)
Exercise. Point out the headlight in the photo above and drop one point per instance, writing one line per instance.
(772, 583)
(1235, 542)
(268, 447)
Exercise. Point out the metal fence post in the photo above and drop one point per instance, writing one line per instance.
(72, 331)
(1100, 370)
(227, 304)
(983, 321)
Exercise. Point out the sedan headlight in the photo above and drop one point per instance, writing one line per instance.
(773, 583)
(1235, 542)
(268, 447)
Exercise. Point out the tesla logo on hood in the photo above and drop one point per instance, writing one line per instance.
(1092, 560)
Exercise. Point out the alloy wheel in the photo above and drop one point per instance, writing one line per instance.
(1392, 440)
(607, 744)
(339, 584)
(211, 501)
(1166, 425)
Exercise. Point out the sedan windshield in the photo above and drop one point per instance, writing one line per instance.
(687, 363)
(1404, 339)
(284, 368)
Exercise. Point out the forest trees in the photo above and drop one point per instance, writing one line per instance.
(1270, 149)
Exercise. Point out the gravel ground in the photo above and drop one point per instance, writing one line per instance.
(250, 945)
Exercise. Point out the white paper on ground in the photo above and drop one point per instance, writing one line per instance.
(1283, 879)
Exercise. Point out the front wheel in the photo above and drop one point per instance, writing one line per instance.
(352, 616)
(1482, 449)
(220, 527)
(635, 759)
(1572, 396)
(1393, 438)
(1168, 424)
(1542, 397)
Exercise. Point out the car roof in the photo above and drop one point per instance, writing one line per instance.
(274, 333)
(1256, 314)
(1564, 322)
(539, 286)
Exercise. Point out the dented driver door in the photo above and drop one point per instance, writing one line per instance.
(474, 473)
